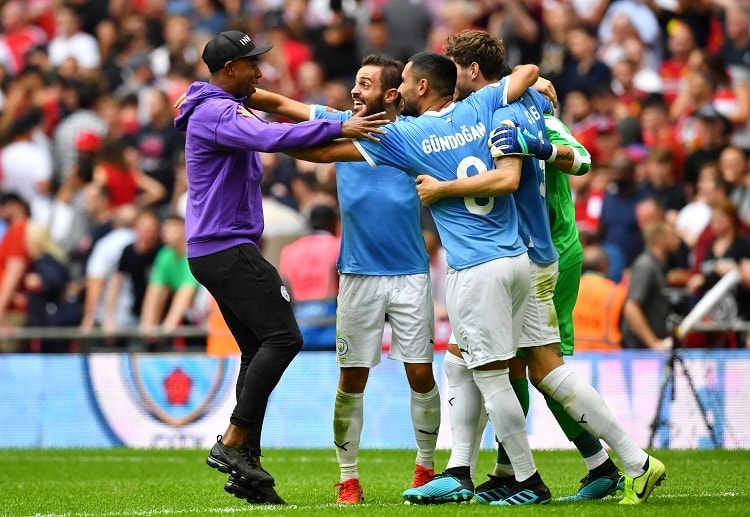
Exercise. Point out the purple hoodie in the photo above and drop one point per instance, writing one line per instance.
(224, 171)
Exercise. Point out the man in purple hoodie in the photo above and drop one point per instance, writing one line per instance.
(223, 226)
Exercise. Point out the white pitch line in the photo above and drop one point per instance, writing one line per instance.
(267, 508)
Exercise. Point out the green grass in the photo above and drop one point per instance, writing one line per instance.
(142, 483)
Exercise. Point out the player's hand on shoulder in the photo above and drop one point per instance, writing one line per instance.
(178, 103)
(365, 127)
(509, 140)
(428, 189)
(506, 140)
(243, 111)
(546, 88)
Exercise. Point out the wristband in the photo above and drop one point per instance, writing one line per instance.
(577, 162)
(552, 156)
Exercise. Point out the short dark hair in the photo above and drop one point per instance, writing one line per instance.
(390, 69)
(480, 47)
(438, 69)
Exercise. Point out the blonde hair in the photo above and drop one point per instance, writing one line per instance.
(39, 241)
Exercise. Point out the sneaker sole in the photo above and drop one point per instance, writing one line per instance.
(577, 497)
(457, 497)
(489, 496)
(258, 494)
(218, 465)
(225, 468)
(656, 484)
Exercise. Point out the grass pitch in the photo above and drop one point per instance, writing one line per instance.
(143, 483)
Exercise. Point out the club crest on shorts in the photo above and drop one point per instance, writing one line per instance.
(342, 347)
(285, 293)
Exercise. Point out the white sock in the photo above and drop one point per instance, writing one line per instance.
(347, 427)
(475, 448)
(425, 417)
(464, 408)
(597, 460)
(507, 419)
(584, 404)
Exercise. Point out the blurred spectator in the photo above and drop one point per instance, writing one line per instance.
(14, 259)
(78, 101)
(170, 299)
(694, 217)
(698, 15)
(644, 323)
(126, 184)
(52, 300)
(283, 224)
(71, 42)
(18, 36)
(133, 270)
(625, 19)
(101, 267)
(160, 147)
(311, 80)
(618, 229)
(178, 48)
(621, 27)
(581, 67)
(587, 12)
(661, 183)
(714, 132)
(730, 97)
(308, 269)
(658, 131)
(648, 211)
(611, 111)
(409, 24)
(735, 171)
(208, 16)
(680, 43)
(289, 56)
(97, 221)
(736, 46)
(588, 194)
(335, 45)
(725, 249)
(376, 39)
(110, 43)
(557, 19)
(26, 165)
(518, 23)
(596, 316)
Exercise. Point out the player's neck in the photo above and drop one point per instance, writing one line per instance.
(437, 104)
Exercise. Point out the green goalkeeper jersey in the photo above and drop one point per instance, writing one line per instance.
(562, 215)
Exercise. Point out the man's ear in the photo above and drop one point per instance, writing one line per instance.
(390, 95)
(474, 70)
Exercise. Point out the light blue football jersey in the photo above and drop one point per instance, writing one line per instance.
(381, 234)
(531, 197)
(447, 145)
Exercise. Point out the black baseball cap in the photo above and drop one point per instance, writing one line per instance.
(230, 46)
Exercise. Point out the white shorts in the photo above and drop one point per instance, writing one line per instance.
(363, 303)
(540, 325)
(486, 305)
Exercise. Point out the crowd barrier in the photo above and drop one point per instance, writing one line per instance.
(184, 400)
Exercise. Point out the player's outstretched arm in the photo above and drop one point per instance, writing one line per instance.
(271, 102)
(558, 147)
(571, 157)
(337, 151)
(521, 79)
(502, 180)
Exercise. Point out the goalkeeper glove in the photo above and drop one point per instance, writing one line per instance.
(508, 139)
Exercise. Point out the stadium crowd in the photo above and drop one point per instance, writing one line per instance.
(92, 175)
